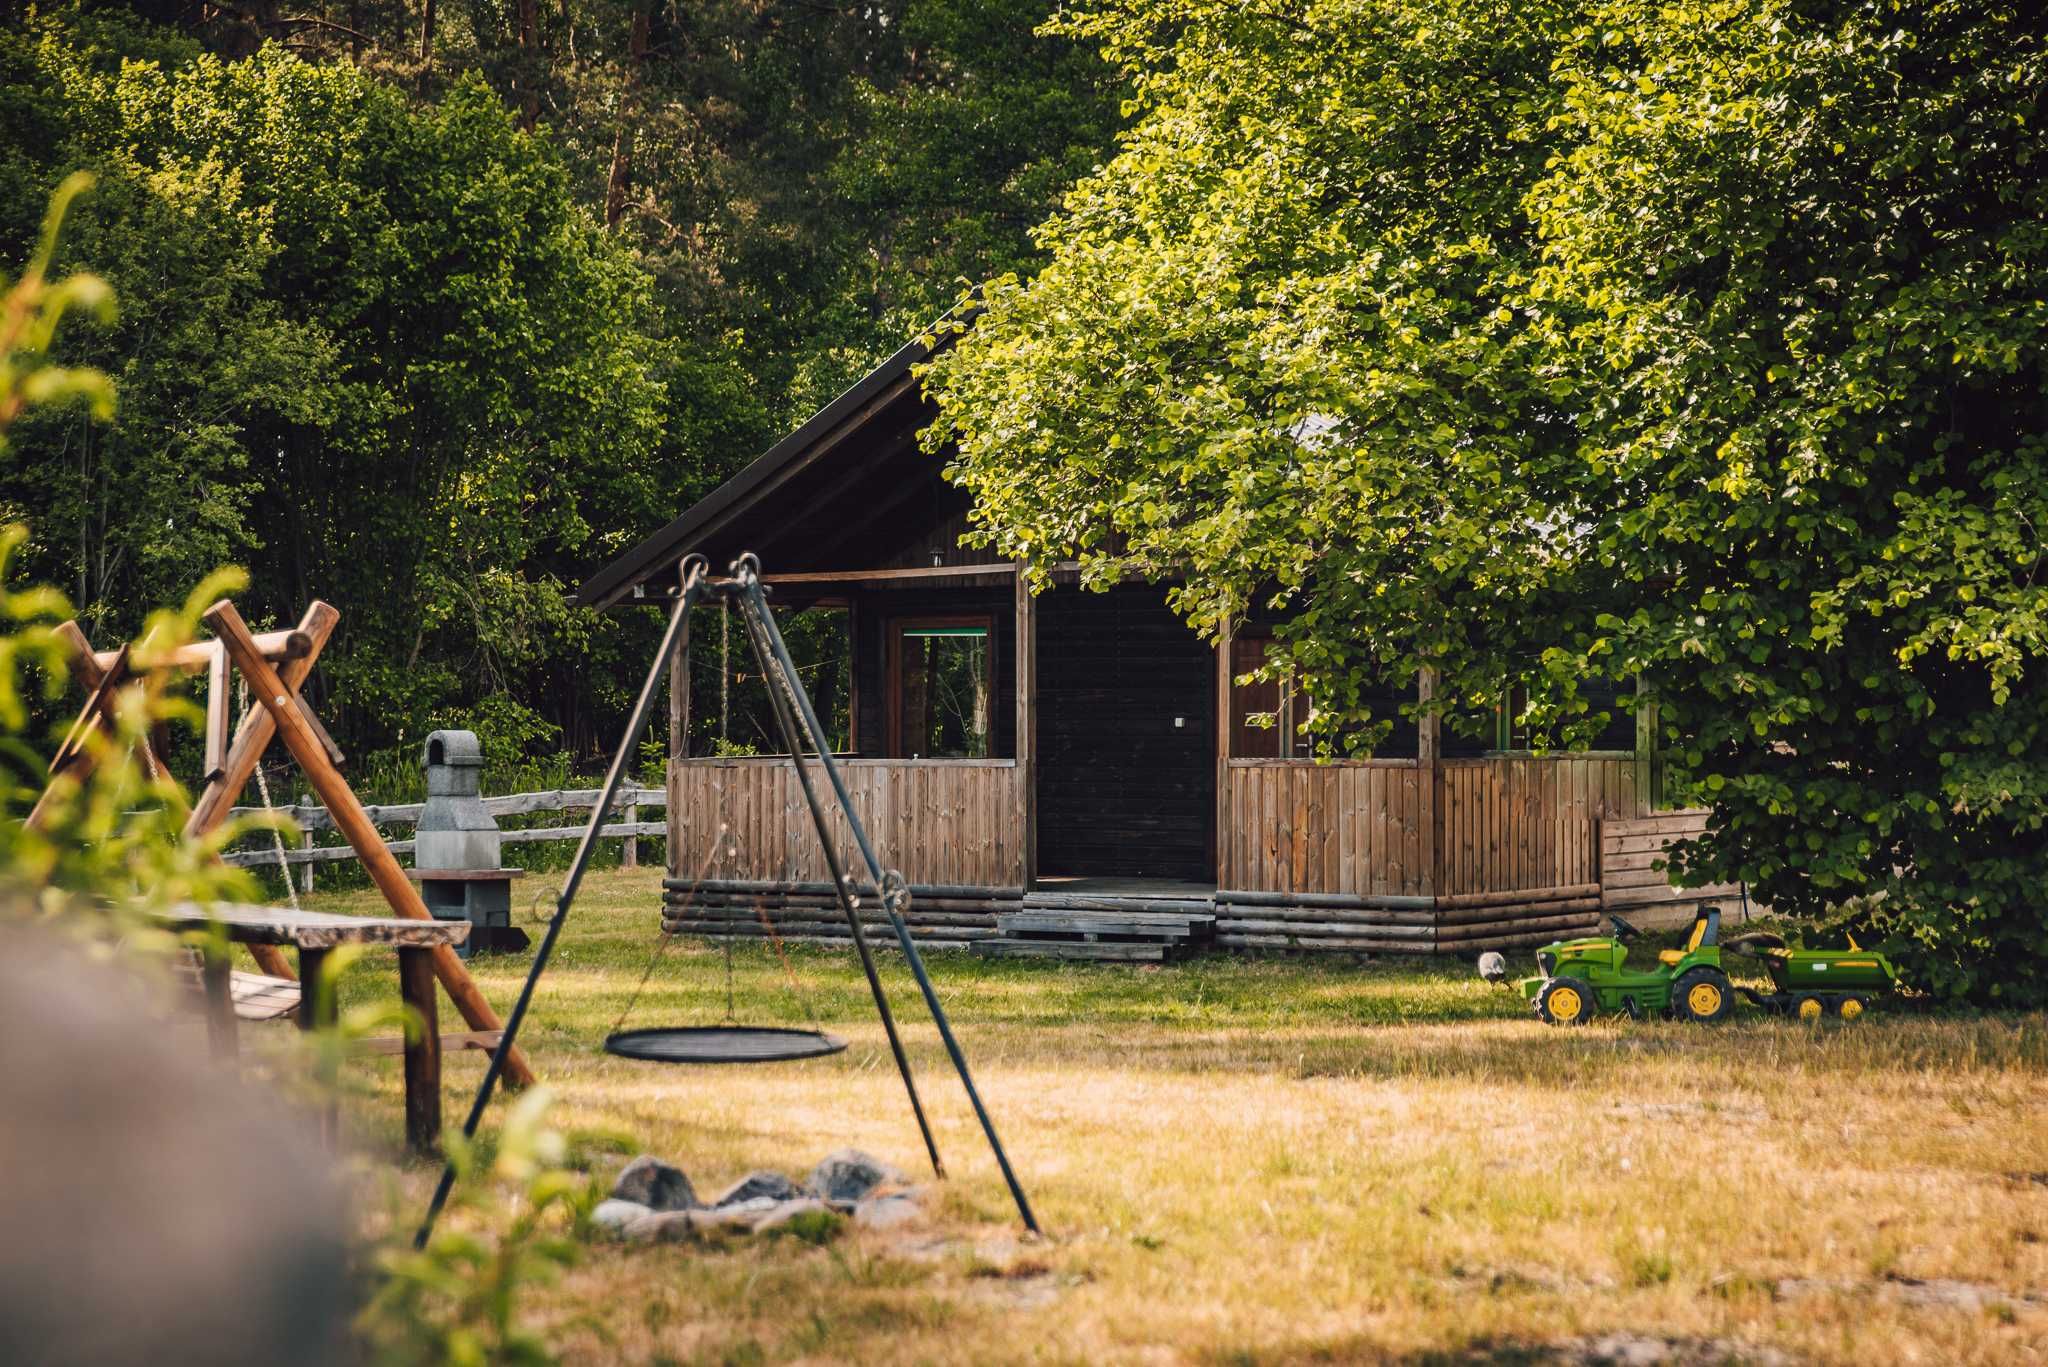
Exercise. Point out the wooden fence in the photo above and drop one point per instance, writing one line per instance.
(937, 821)
(314, 819)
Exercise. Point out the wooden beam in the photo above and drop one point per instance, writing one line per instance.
(1025, 742)
(422, 1052)
(286, 711)
(253, 736)
(1226, 638)
(827, 444)
(317, 1010)
(1429, 763)
(223, 788)
(216, 718)
(872, 514)
(678, 738)
(872, 576)
(198, 656)
(832, 497)
(74, 758)
(1648, 772)
(92, 673)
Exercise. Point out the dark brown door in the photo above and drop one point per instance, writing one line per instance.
(1126, 738)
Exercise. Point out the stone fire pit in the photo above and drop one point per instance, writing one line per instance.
(654, 1201)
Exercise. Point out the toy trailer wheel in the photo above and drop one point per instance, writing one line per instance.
(1809, 1007)
(1566, 1001)
(1702, 995)
(1850, 1008)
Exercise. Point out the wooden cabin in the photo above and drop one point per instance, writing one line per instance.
(1076, 751)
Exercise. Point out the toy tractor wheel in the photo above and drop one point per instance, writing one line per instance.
(1851, 1008)
(1566, 1001)
(1702, 995)
(1808, 1007)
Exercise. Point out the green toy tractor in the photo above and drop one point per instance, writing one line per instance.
(1812, 983)
(1579, 979)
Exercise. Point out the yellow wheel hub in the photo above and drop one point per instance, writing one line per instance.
(1566, 1004)
(1704, 999)
(1851, 1009)
(1809, 1010)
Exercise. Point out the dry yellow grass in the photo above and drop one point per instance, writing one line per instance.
(1269, 1162)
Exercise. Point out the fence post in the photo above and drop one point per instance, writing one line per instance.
(630, 857)
(305, 869)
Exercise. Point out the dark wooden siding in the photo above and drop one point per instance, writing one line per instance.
(1122, 791)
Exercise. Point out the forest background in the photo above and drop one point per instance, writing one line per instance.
(429, 310)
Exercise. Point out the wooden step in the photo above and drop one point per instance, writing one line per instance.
(1094, 923)
(1103, 950)
(1118, 903)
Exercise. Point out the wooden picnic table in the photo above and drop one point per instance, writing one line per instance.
(313, 934)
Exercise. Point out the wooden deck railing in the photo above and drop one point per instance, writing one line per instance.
(937, 821)
(1350, 826)
(1371, 828)
(1511, 822)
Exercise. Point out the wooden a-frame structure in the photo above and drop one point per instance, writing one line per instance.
(275, 665)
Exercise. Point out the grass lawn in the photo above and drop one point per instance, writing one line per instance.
(1278, 1161)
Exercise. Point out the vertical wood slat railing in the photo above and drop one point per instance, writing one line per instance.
(953, 822)
(1511, 823)
(1349, 826)
(1363, 827)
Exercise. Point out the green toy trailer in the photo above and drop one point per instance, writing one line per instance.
(1579, 979)
(1812, 983)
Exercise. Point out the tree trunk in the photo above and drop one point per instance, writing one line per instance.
(622, 147)
(530, 64)
(427, 31)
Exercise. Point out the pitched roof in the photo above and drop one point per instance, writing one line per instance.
(882, 392)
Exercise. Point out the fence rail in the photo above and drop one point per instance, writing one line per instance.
(311, 818)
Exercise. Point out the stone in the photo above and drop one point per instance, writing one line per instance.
(614, 1215)
(661, 1227)
(785, 1211)
(756, 1185)
(652, 1183)
(889, 1210)
(850, 1175)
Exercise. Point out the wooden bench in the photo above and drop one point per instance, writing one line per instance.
(313, 934)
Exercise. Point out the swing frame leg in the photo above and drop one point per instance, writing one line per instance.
(693, 575)
(893, 890)
(759, 628)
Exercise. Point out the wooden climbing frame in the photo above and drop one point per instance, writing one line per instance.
(275, 665)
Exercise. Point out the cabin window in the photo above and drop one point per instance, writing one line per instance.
(942, 671)
(1266, 716)
(1505, 727)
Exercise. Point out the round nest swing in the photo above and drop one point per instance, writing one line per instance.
(721, 1044)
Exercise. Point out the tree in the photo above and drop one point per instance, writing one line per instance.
(1695, 344)
(377, 352)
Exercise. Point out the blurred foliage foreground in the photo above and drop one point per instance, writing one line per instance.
(110, 846)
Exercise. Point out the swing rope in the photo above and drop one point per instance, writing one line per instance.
(730, 1042)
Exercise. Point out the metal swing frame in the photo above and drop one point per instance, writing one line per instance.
(797, 722)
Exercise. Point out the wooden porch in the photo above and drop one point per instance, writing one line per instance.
(1398, 856)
